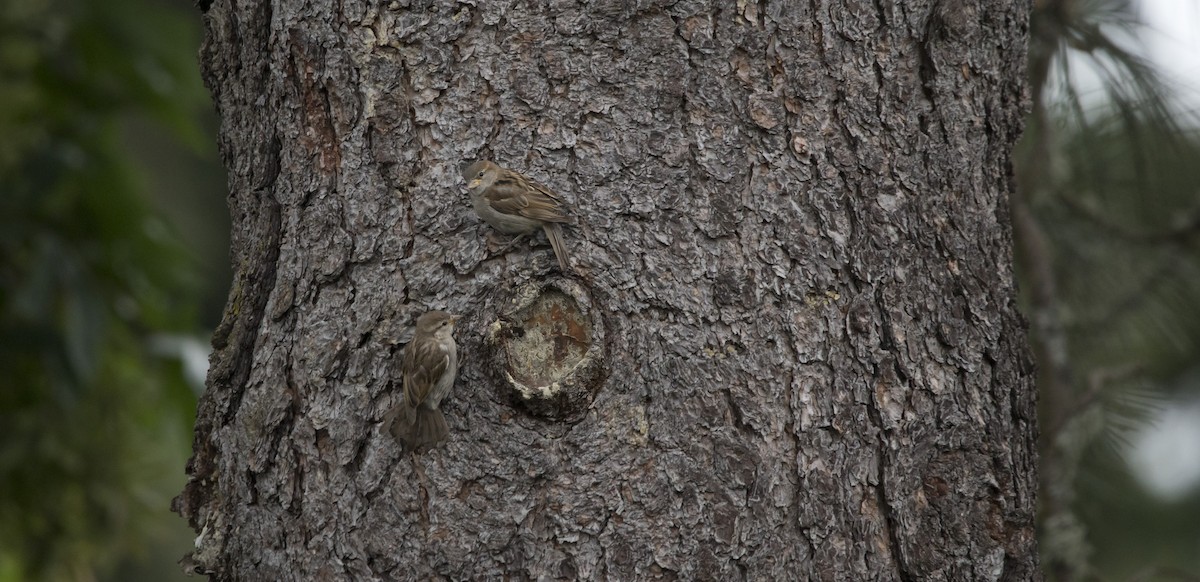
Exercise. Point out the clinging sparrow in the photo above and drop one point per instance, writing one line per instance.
(515, 204)
(429, 367)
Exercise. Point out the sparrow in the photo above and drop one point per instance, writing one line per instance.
(514, 204)
(429, 366)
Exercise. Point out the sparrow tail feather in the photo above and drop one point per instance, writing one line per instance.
(554, 234)
(428, 428)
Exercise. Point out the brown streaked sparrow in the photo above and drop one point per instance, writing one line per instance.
(429, 366)
(515, 204)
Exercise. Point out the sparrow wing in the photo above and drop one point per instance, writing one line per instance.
(424, 364)
(515, 194)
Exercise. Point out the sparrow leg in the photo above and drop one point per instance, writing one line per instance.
(497, 247)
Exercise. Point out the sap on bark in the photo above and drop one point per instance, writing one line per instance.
(547, 349)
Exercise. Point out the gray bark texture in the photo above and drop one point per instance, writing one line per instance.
(789, 348)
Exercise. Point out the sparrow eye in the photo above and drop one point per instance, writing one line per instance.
(480, 174)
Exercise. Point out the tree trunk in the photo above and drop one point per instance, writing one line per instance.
(789, 347)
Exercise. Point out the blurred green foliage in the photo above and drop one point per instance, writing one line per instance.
(1107, 219)
(94, 418)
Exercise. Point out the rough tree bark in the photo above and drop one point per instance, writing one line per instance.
(790, 349)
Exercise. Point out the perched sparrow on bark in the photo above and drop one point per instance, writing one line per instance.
(514, 204)
(429, 366)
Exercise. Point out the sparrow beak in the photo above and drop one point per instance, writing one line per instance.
(454, 319)
(473, 184)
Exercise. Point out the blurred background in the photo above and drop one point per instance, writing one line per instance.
(1107, 227)
(114, 270)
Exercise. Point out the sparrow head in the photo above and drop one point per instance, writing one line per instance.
(438, 323)
(481, 174)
